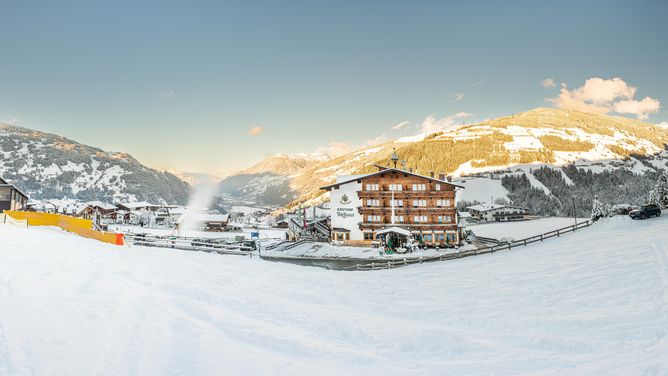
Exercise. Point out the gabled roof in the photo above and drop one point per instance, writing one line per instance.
(135, 205)
(5, 183)
(384, 171)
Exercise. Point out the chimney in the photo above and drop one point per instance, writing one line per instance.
(449, 179)
(410, 170)
(431, 173)
(441, 176)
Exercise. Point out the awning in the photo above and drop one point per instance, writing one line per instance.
(394, 230)
(339, 229)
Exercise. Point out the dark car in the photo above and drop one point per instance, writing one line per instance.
(645, 212)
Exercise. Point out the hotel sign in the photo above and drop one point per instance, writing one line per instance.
(345, 212)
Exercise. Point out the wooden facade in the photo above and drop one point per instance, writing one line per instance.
(422, 205)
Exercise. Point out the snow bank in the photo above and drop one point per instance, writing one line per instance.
(591, 302)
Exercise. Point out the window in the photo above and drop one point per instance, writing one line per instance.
(420, 219)
(372, 187)
(396, 187)
(437, 187)
(444, 219)
(443, 203)
(419, 187)
(373, 218)
(398, 219)
(368, 236)
(5, 193)
(397, 203)
(372, 202)
(419, 203)
(426, 237)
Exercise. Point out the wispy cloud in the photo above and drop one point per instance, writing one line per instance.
(548, 83)
(401, 125)
(457, 96)
(478, 83)
(255, 131)
(431, 124)
(167, 93)
(603, 96)
(12, 121)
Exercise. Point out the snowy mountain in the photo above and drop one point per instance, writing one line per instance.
(195, 178)
(50, 166)
(542, 137)
(269, 181)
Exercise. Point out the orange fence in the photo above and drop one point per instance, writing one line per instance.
(83, 227)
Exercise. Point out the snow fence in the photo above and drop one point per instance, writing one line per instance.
(80, 226)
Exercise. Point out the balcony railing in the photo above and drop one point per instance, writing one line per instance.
(374, 225)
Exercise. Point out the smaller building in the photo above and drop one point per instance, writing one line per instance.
(89, 210)
(11, 198)
(498, 213)
(138, 205)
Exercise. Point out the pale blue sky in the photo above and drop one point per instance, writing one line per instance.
(181, 83)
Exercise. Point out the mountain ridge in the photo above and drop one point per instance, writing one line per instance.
(47, 165)
(546, 136)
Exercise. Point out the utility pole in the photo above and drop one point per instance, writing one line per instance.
(575, 218)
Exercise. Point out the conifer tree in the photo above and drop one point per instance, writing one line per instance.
(597, 209)
(653, 197)
(662, 190)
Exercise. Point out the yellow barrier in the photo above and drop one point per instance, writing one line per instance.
(83, 227)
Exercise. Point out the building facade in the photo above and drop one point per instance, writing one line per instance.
(362, 205)
(11, 198)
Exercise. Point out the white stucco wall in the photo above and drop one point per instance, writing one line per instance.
(344, 212)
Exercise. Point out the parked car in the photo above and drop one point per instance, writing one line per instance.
(645, 212)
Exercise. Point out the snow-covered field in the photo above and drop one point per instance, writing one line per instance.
(522, 229)
(594, 302)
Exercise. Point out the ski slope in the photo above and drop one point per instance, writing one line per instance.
(594, 302)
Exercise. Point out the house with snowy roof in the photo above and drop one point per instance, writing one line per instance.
(497, 213)
(89, 209)
(11, 198)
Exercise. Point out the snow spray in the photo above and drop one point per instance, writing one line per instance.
(201, 196)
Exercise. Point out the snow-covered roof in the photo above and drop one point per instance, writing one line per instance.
(137, 204)
(464, 214)
(384, 171)
(98, 204)
(486, 207)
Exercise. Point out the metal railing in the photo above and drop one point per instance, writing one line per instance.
(187, 244)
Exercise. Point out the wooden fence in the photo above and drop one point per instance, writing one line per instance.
(331, 262)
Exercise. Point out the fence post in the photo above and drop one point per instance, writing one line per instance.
(372, 266)
(557, 233)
